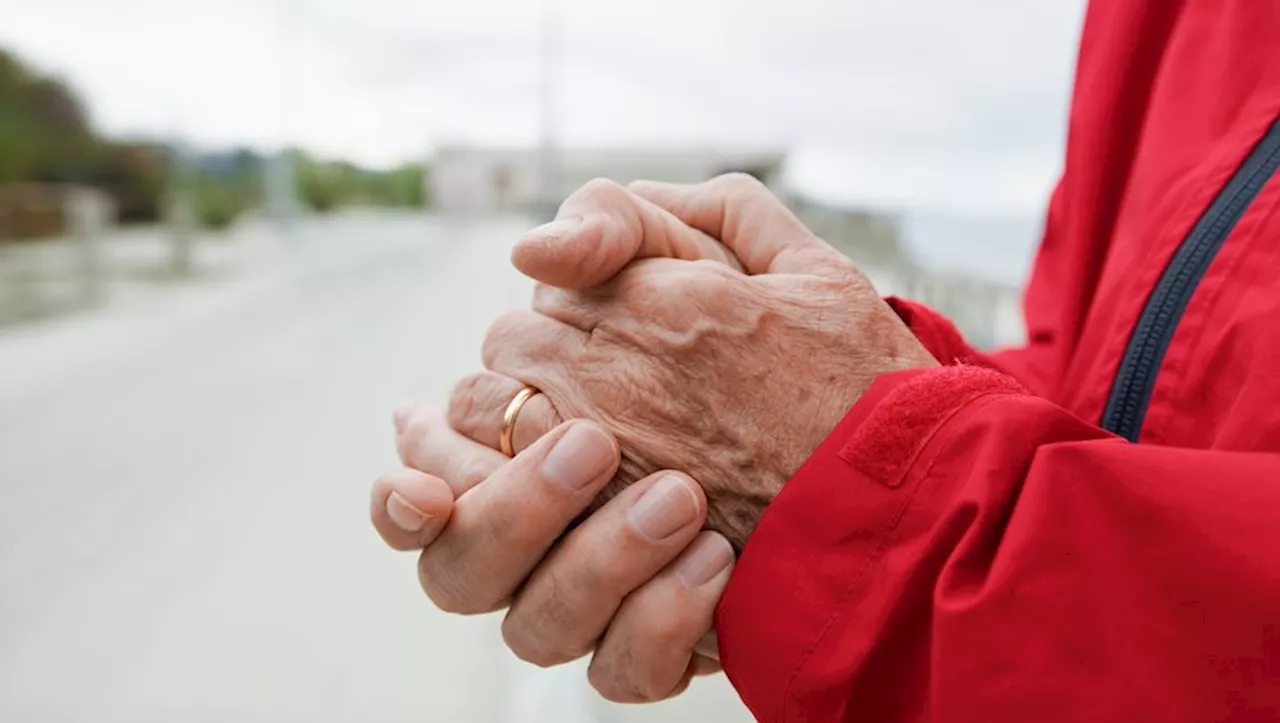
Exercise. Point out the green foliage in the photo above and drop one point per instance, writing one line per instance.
(44, 135)
(217, 204)
(407, 186)
(46, 138)
(320, 186)
(326, 185)
(222, 186)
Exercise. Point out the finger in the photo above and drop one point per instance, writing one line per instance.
(708, 645)
(667, 289)
(703, 665)
(403, 413)
(531, 348)
(581, 309)
(648, 652)
(409, 508)
(501, 529)
(600, 229)
(569, 600)
(744, 215)
(428, 444)
(479, 401)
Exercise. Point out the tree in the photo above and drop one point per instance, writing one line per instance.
(44, 132)
(46, 138)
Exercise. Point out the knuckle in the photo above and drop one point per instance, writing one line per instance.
(606, 684)
(549, 624)
(601, 188)
(415, 443)
(644, 279)
(670, 632)
(562, 304)
(709, 279)
(536, 649)
(608, 199)
(738, 182)
(499, 335)
(650, 690)
(597, 563)
(545, 297)
(464, 401)
(472, 472)
(449, 591)
(419, 427)
(615, 687)
(505, 326)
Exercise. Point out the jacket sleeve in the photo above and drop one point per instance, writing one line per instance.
(961, 550)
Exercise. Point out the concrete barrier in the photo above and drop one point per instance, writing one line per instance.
(65, 269)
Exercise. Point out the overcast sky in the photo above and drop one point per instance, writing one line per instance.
(946, 105)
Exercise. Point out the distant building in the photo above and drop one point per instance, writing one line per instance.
(870, 237)
(497, 180)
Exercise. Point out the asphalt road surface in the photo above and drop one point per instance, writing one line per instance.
(183, 492)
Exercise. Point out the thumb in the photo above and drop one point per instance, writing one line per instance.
(744, 215)
(600, 229)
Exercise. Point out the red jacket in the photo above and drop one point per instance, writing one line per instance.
(983, 542)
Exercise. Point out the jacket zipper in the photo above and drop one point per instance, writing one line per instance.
(1131, 391)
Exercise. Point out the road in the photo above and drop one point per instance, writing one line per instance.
(183, 492)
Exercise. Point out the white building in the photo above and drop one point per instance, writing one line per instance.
(494, 180)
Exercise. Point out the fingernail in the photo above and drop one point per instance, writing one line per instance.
(404, 411)
(406, 516)
(557, 229)
(579, 458)
(708, 556)
(664, 509)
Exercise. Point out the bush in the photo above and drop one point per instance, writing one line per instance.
(319, 186)
(408, 187)
(136, 176)
(216, 203)
(326, 185)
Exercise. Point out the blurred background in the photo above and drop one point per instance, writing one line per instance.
(234, 233)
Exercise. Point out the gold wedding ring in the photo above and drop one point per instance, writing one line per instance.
(509, 419)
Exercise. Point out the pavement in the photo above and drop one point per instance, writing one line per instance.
(183, 490)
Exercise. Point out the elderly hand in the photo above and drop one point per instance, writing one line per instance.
(692, 365)
(636, 583)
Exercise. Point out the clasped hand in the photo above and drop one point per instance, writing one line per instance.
(694, 328)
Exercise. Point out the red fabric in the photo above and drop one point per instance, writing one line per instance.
(968, 545)
(894, 431)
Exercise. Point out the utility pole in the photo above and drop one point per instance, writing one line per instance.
(548, 152)
(180, 209)
(282, 202)
(87, 210)
(280, 169)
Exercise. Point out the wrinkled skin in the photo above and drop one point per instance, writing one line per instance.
(692, 365)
